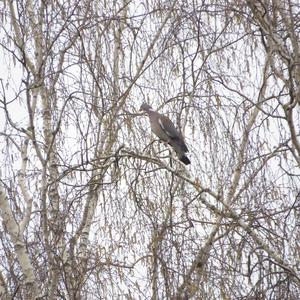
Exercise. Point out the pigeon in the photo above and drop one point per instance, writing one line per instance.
(165, 130)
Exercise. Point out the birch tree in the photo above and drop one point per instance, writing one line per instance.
(93, 206)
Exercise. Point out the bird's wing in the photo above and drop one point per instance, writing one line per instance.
(168, 127)
(176, 139)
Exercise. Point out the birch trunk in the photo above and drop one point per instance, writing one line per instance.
(13, 229)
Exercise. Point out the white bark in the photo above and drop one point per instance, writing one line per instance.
(13, 229)
(22, 182)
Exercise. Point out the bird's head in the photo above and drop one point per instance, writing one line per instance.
(145, 107)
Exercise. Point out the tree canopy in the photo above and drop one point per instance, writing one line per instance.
(93, 206)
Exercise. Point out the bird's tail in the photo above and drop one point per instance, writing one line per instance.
(185, 159)
(180, 143)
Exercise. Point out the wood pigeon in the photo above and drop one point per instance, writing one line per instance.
(163, 127)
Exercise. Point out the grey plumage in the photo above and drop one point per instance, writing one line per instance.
(163, 127)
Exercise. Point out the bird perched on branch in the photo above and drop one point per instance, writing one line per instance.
(163, 127)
